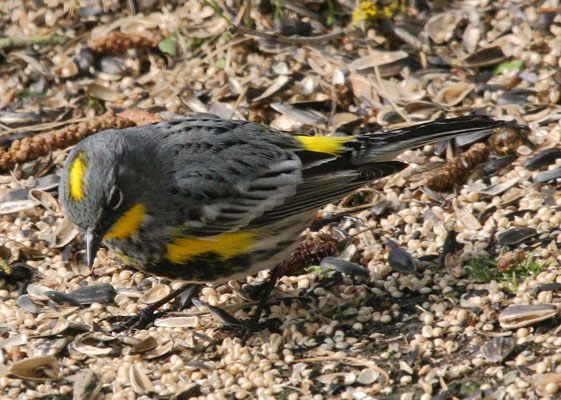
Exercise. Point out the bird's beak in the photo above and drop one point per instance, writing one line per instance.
(93, 240)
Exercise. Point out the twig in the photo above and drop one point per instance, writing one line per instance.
(386, 94)
(296, 40)
(42, 127)
(239, 100)
(23, 41)
(214, 5)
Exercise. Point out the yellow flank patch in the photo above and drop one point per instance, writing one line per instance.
(124, 259)
(127, 224)
(226, 245)
(325, 144)
(76, 178)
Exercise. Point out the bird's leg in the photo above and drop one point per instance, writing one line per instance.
(275, 275)
(244, 329)
(148, 314)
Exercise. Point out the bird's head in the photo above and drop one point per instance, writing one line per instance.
(101, 191)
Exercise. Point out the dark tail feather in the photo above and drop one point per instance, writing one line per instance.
(386, 146)
(419, 135)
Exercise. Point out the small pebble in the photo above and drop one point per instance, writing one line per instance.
(551, 388)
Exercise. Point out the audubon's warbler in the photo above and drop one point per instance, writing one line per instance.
(204, 199)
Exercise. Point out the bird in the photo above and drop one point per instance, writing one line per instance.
(203, 199)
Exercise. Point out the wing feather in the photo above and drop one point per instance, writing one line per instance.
(246, 178)
(326, 183)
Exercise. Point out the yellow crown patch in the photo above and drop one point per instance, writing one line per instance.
(76, 177)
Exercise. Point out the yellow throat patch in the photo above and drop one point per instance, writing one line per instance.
(334, 145)
(76, 178)
(127, 224)
(226, 245)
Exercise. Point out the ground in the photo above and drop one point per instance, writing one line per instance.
(478, 316)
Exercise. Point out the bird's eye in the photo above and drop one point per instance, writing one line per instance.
(115, 198)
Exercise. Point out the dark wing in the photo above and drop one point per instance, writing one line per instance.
(227, 193)
(234, 175)
(225, 199)
(327, 179)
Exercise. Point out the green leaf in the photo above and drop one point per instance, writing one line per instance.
(220, 63)
(168, 46)
(331, 14)
(28, 93)
(507, 66)
(93, 103)
(226, 35)
(278, 9)
(319, 271)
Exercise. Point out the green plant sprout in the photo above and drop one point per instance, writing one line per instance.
(485, 270)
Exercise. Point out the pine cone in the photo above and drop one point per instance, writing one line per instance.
(310, 252)
(118, 42)
(458, 169)
(141, 117)
(32, 147)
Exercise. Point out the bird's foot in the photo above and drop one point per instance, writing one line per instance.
(142, 320)
(148, 315)
(242, 329)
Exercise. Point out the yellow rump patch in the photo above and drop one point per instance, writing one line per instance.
(76, 178)
(325, 144)
(127, 224)
(226, 245)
